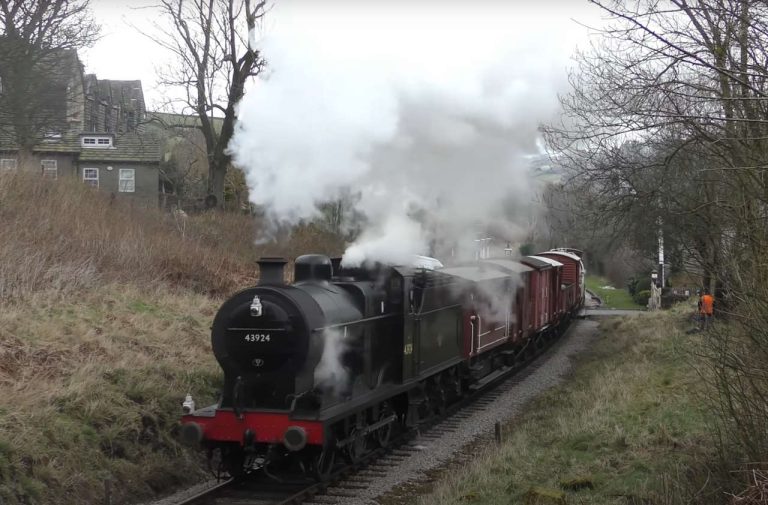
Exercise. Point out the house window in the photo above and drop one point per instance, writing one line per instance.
(52, 137)
(127, 182)
(91, 177)
(7, 164)
(96, 141)
(50, 168)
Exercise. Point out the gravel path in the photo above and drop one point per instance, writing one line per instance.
(429, 453)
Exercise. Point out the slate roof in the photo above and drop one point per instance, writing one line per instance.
(128, 147)
(168, 120)
(127, 97)
(68, 143)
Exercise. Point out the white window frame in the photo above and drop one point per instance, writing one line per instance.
(7, 164)
(51, 170)
(96, 142)
(52, 137)
(88, 180)
(122, 177)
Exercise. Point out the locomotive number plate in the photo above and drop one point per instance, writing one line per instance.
(257, 337)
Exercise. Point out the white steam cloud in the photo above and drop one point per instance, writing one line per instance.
(424, 110)
(330, 373)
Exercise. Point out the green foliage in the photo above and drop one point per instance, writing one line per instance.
(642, 297)
(643, 283)
(526, 249)
(632, 286)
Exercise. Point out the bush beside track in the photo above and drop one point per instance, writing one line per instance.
(105, 312)
(629, 428)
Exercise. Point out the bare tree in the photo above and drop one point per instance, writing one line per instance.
(684, 81)
(38, 64)
(668, 118)
(214, 59)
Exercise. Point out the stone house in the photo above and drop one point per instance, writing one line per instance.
(98, 136)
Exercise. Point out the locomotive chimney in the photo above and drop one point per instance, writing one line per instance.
(271, 270)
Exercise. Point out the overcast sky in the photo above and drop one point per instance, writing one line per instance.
(123, 53)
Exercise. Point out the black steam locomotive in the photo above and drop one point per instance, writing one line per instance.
(331, 365)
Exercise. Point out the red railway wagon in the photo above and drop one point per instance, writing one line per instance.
(489, 313)
(522, 323)
(544, 278)
(555, 300)
(572, 277)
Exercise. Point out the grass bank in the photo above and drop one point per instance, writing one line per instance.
(91, 388)
(626, 428)
(613, 298)
(105, 311)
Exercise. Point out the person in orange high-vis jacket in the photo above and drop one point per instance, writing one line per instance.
(706, 309)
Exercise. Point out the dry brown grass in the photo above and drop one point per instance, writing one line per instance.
(61, 236)
(105, 311)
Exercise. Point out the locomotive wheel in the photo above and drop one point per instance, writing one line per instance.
(383, 434)
(439, 401)
(322, 463)
(357, 448)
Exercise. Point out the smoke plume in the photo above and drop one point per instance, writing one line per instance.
(423, 110)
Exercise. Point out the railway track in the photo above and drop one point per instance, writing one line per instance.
(345, 483)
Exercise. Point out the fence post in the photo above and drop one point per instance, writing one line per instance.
(107, 492)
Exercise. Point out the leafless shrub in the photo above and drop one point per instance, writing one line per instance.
(756, 493)
(60, 236)
(64, 237)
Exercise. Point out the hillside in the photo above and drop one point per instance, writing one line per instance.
(104, 327)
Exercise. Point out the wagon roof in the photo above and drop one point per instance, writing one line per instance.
(508, 265)
(549, 261)
(475, 273)
(563, 253)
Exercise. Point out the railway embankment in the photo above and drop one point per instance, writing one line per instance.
(629, 426)
(105, 311)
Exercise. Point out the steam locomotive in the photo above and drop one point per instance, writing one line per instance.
(335, 363)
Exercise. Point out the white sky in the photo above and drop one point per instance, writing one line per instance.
(123, 53)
